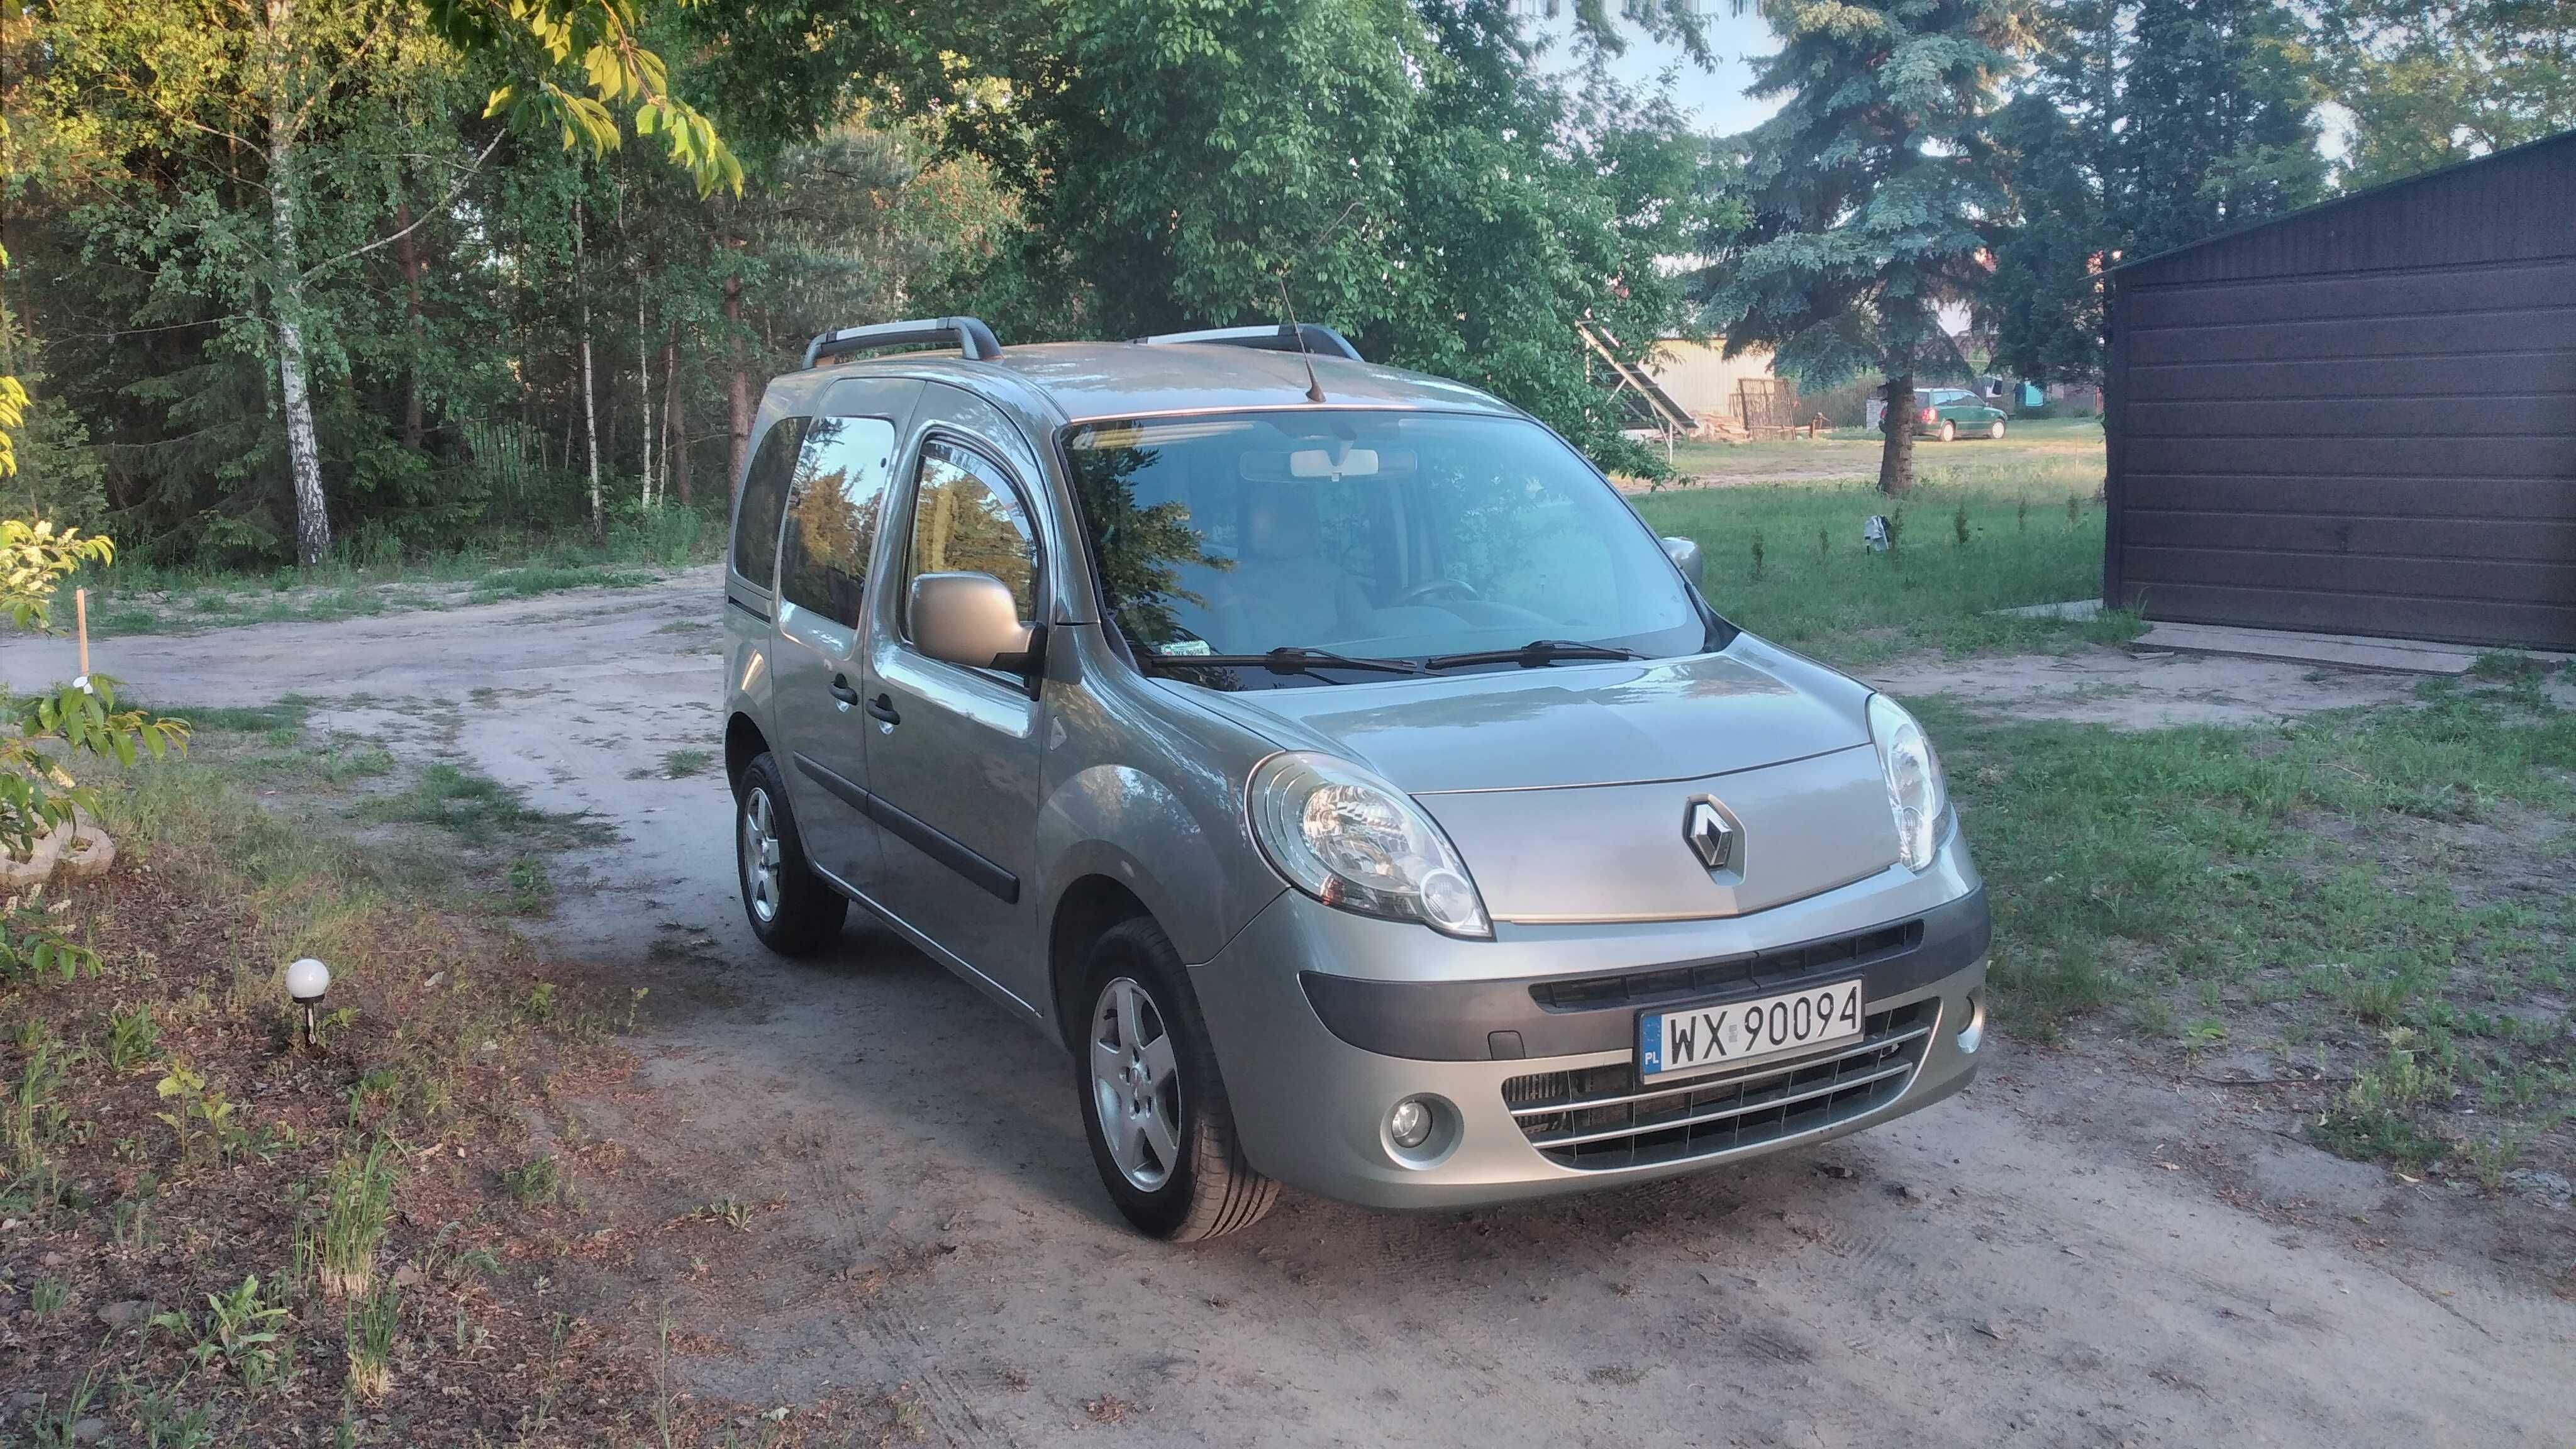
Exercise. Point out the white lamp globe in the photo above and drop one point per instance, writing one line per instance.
(307, 979)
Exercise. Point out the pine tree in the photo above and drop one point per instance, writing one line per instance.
(1867, 191)
(2146, 125)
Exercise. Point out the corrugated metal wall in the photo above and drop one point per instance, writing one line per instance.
(2360, 419)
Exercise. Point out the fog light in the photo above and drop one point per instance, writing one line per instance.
(1973, 1035)
(1409, 1125)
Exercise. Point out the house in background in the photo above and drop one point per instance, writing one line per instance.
(1717, 390)
(2359, 418)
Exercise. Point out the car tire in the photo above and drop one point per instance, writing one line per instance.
(792, 910)
(1949, 431)
(1996, 432)
(1177, 1169)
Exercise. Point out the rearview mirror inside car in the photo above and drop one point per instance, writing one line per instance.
(969, 619)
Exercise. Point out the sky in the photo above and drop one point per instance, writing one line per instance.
(1715, 97)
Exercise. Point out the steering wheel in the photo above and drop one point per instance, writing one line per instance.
(1423, 591)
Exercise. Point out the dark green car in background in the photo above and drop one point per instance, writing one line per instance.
(1952, 413)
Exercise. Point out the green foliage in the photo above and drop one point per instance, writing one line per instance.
(1407, 174)
(356, 1204)
(2427, 84)
(1866, 187)
(2117, 151)
(243, 1331)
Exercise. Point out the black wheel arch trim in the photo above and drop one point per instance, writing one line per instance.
(1459, 1021)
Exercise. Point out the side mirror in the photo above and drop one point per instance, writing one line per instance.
(1685, 556)
(970, 619)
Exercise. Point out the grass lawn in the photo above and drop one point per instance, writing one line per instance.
(2374, 902)
(139, 598)
(212, 1233)
(1988, 526)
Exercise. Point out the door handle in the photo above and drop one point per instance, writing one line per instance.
(882, 708)
(841, 691)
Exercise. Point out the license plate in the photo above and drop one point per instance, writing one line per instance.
(1713, 1038)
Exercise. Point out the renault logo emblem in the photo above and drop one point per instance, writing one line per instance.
(1710, 837)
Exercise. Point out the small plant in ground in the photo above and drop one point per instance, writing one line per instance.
(132, 1037)
(357, 1200)
(1824, 541)
(49, 1297)
(164, 1426)
(2491, 1159)
(531, 887)
(680, 764)
(2376, 1115)
(2021, 516)
(537, 1182)
(31, 1106)
(2074, 510)
(1959, 525)
(241, 1333)
(200, 1106)
(371, 1345)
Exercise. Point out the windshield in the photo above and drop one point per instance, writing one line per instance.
(1370, 534)
(1947, 395)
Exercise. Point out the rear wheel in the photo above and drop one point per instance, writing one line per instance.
(1996, 430)
(1161, 1129)
(792, 910)
(1949, 431)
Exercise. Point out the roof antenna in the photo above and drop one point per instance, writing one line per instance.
(1314, 389)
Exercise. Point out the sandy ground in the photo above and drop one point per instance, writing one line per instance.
(2143, 691)
(2084, 1249)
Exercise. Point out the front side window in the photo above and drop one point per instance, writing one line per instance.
(1390, 535)
(833, 508)
(966, 518)
(764, 500)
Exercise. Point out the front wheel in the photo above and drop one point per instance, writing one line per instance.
(1949, 431)
(1996, 430)
(792, 910)
(1153, 1105)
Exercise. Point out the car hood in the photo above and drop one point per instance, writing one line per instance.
(1597, 723)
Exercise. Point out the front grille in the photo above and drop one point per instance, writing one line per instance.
(1600, 1118)
(1676, 983)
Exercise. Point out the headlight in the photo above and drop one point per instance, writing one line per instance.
(1350, 839)
(1916, 794)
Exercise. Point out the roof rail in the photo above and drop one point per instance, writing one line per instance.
(968, 335)
(1311, 337)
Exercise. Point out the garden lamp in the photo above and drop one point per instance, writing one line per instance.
(306, 981)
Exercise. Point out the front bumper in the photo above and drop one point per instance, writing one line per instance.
(1406, 1018)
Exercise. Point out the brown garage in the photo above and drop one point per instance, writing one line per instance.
(2360, 418)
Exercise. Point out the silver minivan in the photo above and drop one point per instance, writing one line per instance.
(1333, 764)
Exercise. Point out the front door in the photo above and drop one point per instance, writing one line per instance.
(835, 503)
(953, 753)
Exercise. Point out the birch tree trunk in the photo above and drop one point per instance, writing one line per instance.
(286, 299)
(643, 395)
(737, 387)
(675, 427)
(589, 394)
(407, 252)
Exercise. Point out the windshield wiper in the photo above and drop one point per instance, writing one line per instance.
(1289, 659)
(1535, 654)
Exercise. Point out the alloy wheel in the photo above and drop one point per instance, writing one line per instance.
(761, 864)
(1135, 1084)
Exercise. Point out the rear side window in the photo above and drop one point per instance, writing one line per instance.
(833, 508)
(764, 501)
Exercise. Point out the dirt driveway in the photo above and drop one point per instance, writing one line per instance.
(2082, 1250)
